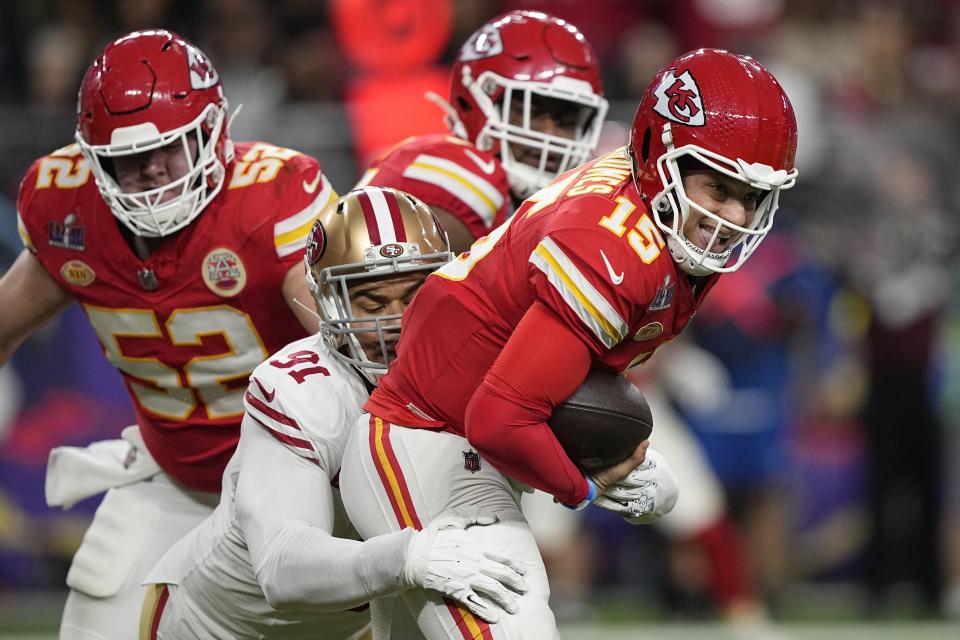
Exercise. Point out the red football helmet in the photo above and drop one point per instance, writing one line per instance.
(729, 113)
(520, 56)
(147, 90)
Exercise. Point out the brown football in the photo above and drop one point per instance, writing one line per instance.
(602, 422)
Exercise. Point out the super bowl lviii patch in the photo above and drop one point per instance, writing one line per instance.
(664, 296)
(67, 234)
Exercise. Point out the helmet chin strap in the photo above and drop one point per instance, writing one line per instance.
(309, 310)
(684, 260)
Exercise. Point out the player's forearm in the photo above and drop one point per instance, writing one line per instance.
(29, 298)
(518, 441)
(304, 566)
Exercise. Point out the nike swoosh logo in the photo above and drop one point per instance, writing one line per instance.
(310, 187)
(487, 167)
(267, 396)
(617, 279)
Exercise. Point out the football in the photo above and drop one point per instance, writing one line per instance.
(602, 422)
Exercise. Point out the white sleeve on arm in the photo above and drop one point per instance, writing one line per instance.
(285, 508)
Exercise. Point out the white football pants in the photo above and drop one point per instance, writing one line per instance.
(132, 528)
(395, 477)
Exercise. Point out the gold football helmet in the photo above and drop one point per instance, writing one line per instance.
(368, 234)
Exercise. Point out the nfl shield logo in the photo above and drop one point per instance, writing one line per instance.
(471, 461)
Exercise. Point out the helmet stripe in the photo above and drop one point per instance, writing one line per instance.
(369, 217)
(383, 218)
(395, 217)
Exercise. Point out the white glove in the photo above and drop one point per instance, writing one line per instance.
(446, 558)
(649, 492)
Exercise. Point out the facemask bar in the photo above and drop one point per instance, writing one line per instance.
(143, 212)
(526, 179)
(340, 328)
(674, 199)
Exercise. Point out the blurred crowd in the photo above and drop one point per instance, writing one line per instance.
(834, 423)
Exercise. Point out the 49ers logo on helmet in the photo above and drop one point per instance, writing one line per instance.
(316, 243)
(485, 43)
(391, 250)
(678, 99)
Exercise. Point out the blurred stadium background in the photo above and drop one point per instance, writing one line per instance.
(837, 446)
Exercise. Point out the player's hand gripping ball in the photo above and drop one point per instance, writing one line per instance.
(602, 422)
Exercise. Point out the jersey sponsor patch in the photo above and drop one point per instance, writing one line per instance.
(223, 272)
(78, 273)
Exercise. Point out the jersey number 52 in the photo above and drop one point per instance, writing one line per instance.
(174, 393)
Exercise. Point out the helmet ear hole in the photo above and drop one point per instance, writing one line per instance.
(645, 146)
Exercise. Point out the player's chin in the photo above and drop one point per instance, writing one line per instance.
(532, 159)
(375, 354)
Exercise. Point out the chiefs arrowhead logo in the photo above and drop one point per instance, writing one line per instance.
(679, 99)
(485, 43)
(202, 73)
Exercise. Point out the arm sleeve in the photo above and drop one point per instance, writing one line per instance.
(541, 364)
(287, 517)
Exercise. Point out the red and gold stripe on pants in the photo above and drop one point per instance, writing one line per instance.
(153, 605)
(395, 486)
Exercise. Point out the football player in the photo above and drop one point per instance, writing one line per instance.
(526, 104)
(266, 563)
(185, 250)
(597, 269)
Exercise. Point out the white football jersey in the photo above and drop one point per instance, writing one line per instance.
(301, 401)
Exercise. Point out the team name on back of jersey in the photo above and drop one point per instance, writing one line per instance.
(604, 176)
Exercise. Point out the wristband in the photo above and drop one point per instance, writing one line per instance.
(592, 494)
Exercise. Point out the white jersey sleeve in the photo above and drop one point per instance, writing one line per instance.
(275, 558)
(285, 509)
(306, 399)
(305, 402)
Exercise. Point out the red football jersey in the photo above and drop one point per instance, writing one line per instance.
(449, 173)
(585, 246)
(188, 325)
